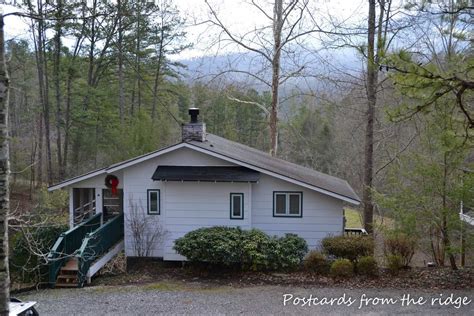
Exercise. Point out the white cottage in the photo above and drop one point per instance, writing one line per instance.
(203, 181)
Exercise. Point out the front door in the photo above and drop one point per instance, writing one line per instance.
(112, 205)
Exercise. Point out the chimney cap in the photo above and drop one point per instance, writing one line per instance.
(194, 112)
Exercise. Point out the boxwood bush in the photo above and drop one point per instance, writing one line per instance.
(245, 249)
(316, 262)
(367, 266)
(342, 268)
(348, 247)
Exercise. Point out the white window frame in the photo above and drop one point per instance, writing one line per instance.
(287, 201)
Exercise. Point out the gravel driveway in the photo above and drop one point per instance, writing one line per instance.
(182, 298)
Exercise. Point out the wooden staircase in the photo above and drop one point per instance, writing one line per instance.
(67, 276)
(80, 252)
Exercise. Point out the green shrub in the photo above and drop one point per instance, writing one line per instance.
(247, 249)
(400, 244)
(259, 251)
(348, 247)
(25, 265)
(367, 266)
(342, 268)
(293, 249)
(215, 245)
(317, 262)
(394, 263)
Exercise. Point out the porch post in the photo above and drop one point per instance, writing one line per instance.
(98, 203)
(71, 207)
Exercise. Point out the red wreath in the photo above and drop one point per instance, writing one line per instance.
(112, 182)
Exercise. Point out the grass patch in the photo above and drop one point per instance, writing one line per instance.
(353, 218)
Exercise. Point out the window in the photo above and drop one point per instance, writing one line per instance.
(154, 202)
(236, 206)
(287, 204)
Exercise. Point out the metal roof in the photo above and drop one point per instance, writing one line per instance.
(205, 173)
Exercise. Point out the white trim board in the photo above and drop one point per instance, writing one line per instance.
(115, 167)
(132, 162)
(86, 176)
(96, 266)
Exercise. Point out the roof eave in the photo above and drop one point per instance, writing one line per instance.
(73, 180)
(114, 167)
(128, 163)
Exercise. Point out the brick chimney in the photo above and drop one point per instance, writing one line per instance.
(194, 130)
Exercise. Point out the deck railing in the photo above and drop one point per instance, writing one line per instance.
(68, 243)
(354, 231)
(97, 243)
(81, 214)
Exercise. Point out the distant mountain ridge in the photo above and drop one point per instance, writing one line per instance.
(208, 67)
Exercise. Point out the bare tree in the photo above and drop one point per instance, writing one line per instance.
(120, 48)
(39, 27)
(376, 45)
(369, 132)
(286, 20)
(146, 232)
(57, 85)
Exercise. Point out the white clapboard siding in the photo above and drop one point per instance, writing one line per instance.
(192, 205)
(322, 215)
(179, 204)
(186, 206)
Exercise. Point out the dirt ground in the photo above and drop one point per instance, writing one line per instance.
(146, 271)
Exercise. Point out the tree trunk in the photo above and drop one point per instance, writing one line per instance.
(137, 58)
(4, 174)
(46, 113)
(70, 77)
(120, 62)
(57, 87)
(39, 178)
(157, 74)
(277, 29)
(77, 142)
(43, 87)
(445, 230)
(67, 121)
(369, 132)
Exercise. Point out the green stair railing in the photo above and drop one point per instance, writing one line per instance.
(97, 243)
(68, 243)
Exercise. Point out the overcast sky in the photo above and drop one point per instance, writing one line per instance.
(237, 14)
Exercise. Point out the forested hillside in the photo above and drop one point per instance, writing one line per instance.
(100, 82)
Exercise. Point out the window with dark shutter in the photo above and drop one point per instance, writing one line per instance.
(236, 205)
(154, 202)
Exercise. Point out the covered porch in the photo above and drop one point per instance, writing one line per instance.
(94, 238)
